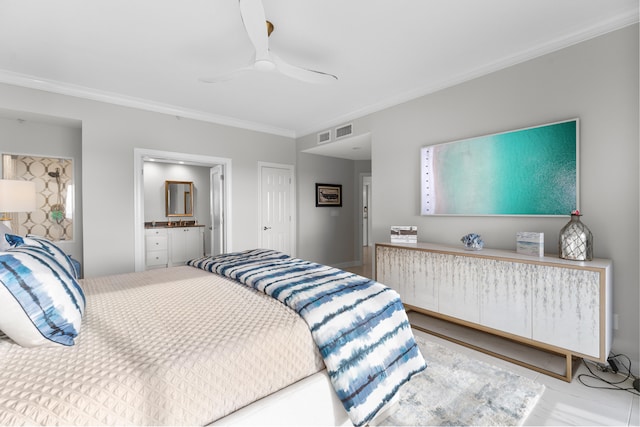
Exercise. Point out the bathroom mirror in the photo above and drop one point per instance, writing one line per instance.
(178, 198)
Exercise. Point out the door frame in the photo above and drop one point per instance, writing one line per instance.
(292, 208)
(139, 156)
(359, 219)
(217, 170)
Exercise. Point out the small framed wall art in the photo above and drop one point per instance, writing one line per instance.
(328, 195)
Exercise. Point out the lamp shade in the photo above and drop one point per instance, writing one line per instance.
(17, 196)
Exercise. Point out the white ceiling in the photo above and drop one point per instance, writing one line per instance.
(151, 53)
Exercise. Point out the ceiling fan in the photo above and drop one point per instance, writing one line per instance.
(259, 30)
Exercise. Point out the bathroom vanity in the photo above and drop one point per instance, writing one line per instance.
(175, 244)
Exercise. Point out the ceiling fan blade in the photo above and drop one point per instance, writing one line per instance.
(258, 30)
(303, 74)
(254, 21)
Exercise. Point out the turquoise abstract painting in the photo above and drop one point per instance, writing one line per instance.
(532, 171)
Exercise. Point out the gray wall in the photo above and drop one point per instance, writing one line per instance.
(109, 135)
(325, 234)
(596, 81)
(53, 139)
(329, 236)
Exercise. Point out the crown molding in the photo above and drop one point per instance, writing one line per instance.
(621, 21)
(32, 82)
(578, 36)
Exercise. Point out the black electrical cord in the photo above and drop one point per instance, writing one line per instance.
(612, 385)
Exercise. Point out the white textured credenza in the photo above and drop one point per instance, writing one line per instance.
(553, 304)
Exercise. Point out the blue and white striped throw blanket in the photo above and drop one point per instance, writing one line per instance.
(359, 325)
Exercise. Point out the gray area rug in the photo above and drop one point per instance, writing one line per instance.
(457, 390)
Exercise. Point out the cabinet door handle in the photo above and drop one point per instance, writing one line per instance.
(267, 228)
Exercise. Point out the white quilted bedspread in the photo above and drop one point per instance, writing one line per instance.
(176, 346)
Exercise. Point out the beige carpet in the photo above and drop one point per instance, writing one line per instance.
(457, 390)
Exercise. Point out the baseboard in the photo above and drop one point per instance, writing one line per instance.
(348, 264)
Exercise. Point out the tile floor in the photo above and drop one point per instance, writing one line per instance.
(562, 403)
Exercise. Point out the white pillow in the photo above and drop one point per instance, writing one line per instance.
(41, 301)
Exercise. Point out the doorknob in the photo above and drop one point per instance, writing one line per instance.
(267, 228)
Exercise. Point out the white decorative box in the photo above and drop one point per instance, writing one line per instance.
(404, 234)
(530, 243)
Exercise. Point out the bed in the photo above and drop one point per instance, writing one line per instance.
(176, 346)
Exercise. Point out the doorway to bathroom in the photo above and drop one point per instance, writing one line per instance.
(215, 182)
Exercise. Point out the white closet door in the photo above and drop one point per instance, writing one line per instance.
(276, 208)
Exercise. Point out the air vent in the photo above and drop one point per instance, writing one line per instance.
(324, 137)
(343, 131)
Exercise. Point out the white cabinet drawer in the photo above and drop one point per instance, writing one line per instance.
(156, 258)
(156, 243)
(156, 247)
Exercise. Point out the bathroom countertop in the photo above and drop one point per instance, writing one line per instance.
(172, 224)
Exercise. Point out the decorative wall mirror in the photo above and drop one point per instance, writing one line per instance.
(178, 198)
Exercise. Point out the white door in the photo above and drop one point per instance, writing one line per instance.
(217, 205)
(276, 205)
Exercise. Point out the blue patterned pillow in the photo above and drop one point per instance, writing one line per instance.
(42, 244)
(4, 230)
(42, 302)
